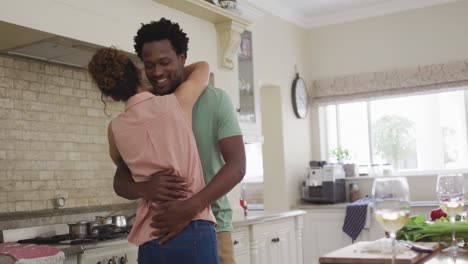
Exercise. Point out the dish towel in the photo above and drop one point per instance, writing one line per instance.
(355, 218)
(32, 254)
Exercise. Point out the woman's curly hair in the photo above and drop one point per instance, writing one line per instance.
(114, 73)
(161, 30)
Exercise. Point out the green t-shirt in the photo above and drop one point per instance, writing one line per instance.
(214, 118)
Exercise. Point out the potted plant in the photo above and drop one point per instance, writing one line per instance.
(342, 155)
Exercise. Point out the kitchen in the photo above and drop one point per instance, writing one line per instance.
(42, 158)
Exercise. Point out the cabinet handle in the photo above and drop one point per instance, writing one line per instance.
(275, 240)
(236, 242)
(238, 110)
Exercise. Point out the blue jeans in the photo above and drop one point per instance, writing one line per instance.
(196, 244)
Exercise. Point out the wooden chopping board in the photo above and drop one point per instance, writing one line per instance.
(358, 253)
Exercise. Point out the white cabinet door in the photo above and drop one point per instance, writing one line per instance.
(323, 233)
(273, 242)
(242, 259)
(240, 238)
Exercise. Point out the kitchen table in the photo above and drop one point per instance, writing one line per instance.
(354, 254)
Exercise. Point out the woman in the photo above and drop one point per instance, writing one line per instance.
(155, 134)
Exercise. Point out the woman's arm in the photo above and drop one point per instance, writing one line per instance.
(113, 151)
(193, 86)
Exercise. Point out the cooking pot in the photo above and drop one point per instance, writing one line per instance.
(104, 220)
(121, 220)
(78, 230)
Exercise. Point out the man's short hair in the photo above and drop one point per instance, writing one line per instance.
(161, 30)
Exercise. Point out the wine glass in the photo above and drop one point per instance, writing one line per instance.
(450, 193)
(391, 205)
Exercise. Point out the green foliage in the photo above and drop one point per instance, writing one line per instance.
(341, 155)
(393, 138)
(417, 229)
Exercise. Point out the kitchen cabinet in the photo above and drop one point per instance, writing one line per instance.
(269, 238)
(240, 238)
(323, 233)
(273, 242)
(249, 104)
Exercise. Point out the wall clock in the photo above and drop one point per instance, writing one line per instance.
(300, 99)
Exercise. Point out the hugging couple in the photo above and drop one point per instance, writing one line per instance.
(177, 146)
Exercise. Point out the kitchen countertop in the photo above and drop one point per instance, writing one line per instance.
(256, 217)
(253, 217)
(309, 206)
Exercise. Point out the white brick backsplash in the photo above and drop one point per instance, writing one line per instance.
(40, 205)
(39, 185)
(6, 103)
(37, 67)
(28, 95)
(23, 185)
(85, 85)
(6, 61)
(51, 69)
(21, 65)
(65, 72)
(6, 82)
(53, 138)
(66, 91)
(3, 197)
(72, 83)
(46, 175)
(30, 175)
(21, 85)
(16, 94)
(23, 206)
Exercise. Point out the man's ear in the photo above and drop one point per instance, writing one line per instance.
(182, 60)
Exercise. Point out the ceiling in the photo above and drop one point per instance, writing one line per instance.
(316, 13)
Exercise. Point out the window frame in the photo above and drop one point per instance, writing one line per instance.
(323, 117)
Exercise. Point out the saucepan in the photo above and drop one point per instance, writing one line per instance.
(79, 230)
(83, 229)
(120, 221)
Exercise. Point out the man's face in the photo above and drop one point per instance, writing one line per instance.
(163, 67)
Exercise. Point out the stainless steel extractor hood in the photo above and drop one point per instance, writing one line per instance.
(34, 44)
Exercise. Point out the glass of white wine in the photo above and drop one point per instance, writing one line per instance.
(450, 193)
(391, 205)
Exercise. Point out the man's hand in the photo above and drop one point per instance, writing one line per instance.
(164, 186)
(172, 217)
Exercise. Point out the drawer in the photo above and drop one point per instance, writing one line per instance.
(241, 241)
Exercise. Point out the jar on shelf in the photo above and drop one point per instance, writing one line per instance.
(354, 192)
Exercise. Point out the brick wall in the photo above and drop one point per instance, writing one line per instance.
(53, 138)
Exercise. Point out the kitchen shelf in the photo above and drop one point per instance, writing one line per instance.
(204, 10)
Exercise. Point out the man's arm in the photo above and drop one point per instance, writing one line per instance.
(174, 216)
(233, 171)
(162, 186)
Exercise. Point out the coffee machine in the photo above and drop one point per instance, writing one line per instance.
(324, 183)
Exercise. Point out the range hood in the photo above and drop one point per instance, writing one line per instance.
(37, 45)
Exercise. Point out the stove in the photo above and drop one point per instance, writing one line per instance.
(110, 247)
(66, 239)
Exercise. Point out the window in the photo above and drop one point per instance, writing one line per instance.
(252, 184)
(411, 133)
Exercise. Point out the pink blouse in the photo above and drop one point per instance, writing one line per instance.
(152, 135)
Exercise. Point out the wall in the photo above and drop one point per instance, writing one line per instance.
(52, 138)
(276, 52)
(411, 38)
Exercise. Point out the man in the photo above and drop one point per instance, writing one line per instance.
(162, 46)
